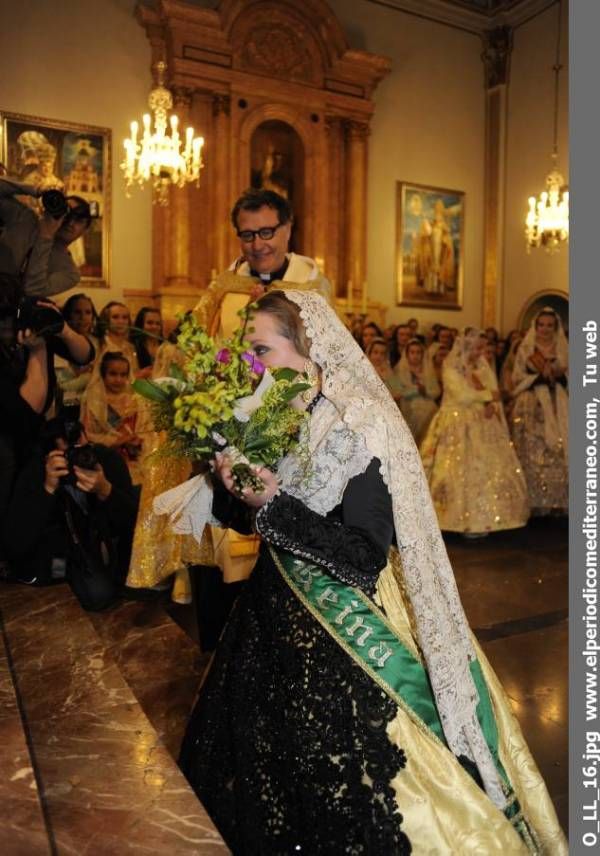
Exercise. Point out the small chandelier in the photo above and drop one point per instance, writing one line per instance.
(547, 221)
(158, 156)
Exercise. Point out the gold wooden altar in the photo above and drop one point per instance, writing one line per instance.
(232, 69)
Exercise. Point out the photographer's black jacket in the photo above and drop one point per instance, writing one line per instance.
(33, 512)
(16, 416)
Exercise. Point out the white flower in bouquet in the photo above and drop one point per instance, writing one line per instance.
(245, 407)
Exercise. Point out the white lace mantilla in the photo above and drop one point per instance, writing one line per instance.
(337, 455)
(363, 402)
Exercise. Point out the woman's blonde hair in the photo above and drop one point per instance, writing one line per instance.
(287, 316)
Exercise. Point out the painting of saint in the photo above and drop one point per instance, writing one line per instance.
(429, 247)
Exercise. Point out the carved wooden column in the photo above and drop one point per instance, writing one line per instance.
(496, 59)
(221, 193)
(355, 206)
(334, 130)
(178, 272)
(200, 199)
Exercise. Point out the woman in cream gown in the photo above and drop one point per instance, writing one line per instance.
(540, 417)
(348, 709)
(476, 481)
(419, 389)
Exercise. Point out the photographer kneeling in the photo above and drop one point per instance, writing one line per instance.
(73, 501)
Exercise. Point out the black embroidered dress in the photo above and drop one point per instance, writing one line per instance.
(287, 745)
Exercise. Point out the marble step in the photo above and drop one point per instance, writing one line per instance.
(161, 663)
(108, 784)
(23, 828)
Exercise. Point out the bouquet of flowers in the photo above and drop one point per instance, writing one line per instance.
(223, 399)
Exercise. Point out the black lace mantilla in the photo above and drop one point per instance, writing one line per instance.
(287, 747)
(346, 552)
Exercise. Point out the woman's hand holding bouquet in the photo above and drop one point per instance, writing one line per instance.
(251, 496)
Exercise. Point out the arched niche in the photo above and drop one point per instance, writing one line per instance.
(553, 298)
(307, 147)
(277, 163)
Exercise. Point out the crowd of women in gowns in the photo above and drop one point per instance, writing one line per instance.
(493, 440)
(495, 449)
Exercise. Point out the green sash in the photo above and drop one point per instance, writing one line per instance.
(366, 635)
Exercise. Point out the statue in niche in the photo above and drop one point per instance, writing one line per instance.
(277, 164)
(275, 173)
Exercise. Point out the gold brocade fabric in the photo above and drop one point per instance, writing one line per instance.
(474, 475)
(444, 811)
(157, 552)
(418, 413)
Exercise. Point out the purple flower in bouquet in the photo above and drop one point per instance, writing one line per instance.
(255, 364)
(224, 356)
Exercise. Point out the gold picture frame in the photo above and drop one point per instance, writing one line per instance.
(75, 158)
(429, 246)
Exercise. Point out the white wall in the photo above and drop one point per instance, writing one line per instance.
(428, 128)
(85, 62)
(529, 146)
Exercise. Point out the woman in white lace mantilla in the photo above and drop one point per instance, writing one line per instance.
(474, 475)
(540, 418)
(348, 708)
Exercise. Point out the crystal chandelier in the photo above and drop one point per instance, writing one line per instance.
(547, 221)
(158, 157)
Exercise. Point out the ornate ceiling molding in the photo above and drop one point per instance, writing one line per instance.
(475, 16)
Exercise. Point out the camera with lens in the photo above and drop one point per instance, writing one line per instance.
(67, 427)
(83, 457)
(56, 204)
(42, 320)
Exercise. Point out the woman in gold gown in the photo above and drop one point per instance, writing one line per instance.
(475, 478)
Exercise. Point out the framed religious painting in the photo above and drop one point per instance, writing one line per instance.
(75, 159)
(429, 246)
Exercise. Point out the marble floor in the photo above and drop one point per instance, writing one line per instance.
(514, 587)
(84, 769)
(94, 706)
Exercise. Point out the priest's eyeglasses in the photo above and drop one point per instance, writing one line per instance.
(265, 234)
